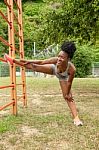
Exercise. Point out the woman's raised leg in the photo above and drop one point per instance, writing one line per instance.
(47, 68)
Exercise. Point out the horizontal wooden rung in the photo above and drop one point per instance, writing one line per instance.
(5, 42)
(19, 84)
(19, 97)
(7, 4)
(3, 107)
(1, 59)
(7, 86)
(17, 5)
(17, 19)
(4, 17)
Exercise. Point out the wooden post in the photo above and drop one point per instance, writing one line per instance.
(12, 54)
(21, 43)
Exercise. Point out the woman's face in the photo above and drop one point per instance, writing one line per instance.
(62, 58)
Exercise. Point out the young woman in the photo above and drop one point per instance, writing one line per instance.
(59, 66)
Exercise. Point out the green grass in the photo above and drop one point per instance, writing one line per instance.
(46, 124)
(9, 123)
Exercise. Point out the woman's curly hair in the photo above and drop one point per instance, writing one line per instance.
(69, 48)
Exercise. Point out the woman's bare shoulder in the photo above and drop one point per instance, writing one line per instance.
(72, 68)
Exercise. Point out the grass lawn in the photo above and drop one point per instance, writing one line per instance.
(46, 124)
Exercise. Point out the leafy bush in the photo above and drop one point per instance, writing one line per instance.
(83, 60)
(4, 70)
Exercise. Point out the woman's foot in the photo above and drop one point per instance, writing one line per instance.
(8, 59)
(77, 121)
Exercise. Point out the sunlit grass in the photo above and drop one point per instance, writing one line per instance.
(47, 123)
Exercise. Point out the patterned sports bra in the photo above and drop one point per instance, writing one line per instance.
(63, 75)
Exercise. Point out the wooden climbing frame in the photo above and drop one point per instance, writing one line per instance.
(10, 18)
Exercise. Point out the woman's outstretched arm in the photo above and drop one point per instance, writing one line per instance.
(24, 63)
(52, 60)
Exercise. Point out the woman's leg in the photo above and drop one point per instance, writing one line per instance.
(70, 102)
(19, 63)
(47, 68)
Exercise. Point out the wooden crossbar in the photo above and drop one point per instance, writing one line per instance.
(20, 97)
(1, 59)
(7, 4)
(6, 86)
(17, 34)
(19, 84)
(16, 19)
(17, 5)
(3, 107)
(5, 42)
(4, 17)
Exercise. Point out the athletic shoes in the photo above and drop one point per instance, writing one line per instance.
(8, 59)
(78, 123)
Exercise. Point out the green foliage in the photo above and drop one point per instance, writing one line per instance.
(3, 30)
(47, 22)
(79, 19)
(4, 70)
(37, 1)
(71, 19)
(96, 53)
(83, 60)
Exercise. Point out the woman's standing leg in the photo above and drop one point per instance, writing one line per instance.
(70, 102)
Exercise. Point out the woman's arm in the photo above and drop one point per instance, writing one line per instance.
(52, 60)
(71, 72)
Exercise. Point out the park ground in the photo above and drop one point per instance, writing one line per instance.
(46, 123)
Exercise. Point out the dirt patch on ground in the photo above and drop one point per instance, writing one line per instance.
(36, 99)
(29, 131)
(4, 112)
(61, 145)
